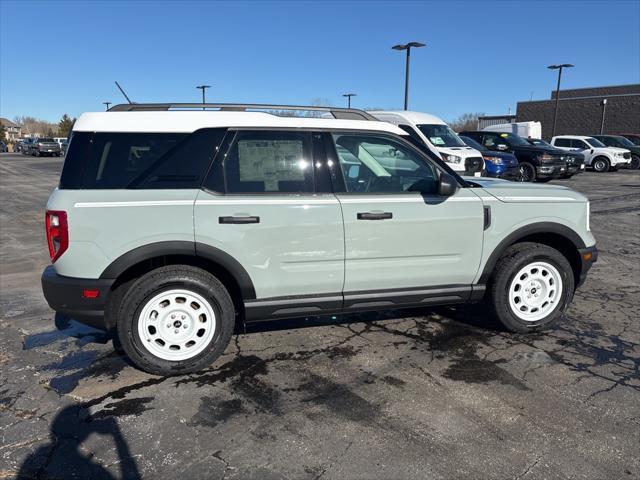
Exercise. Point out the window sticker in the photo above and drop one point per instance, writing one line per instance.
(436, 140)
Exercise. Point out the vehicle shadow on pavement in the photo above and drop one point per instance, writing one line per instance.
(64, 456)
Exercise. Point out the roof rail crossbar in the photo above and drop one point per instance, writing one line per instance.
(336, 112)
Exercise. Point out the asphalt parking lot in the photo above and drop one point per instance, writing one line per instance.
(423, 394)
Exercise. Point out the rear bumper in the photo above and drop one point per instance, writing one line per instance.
(588, 256)
(65, 295)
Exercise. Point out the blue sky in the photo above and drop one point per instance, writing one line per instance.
(480, 56)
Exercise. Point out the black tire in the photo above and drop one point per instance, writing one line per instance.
(167, 278)
(527, 172)
(512, 261)
(601, 164)
(635, 162)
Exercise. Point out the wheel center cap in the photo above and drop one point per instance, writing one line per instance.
(533, 290)
(177, 324)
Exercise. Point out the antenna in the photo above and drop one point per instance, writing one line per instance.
(125, 95)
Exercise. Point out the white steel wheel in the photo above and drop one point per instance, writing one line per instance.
(535, 291)
(176, 325)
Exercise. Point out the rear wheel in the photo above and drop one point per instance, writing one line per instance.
(527, 172)
(601, 164)
(174, 320)
(532, 286)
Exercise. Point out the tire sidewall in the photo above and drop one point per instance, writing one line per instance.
(140, 293)
(509, 318)
(604, 162)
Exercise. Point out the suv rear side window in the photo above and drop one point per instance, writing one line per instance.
(562, 142)
(269, 162)
(139, 160)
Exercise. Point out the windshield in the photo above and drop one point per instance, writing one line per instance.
(441, 136)
(472, 143)
(594, 143)
(515, 139)
(625, 141)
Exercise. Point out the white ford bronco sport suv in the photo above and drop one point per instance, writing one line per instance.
(174, 227)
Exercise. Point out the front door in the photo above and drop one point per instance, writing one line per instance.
(399, 233)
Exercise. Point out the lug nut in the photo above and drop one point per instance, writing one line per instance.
(173, 316)
(168, 325)
(183, 317)
(185, 326)
(176, 331)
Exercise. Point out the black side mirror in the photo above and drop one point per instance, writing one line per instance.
(447, 185)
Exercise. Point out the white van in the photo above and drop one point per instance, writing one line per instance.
(522, 129)
(438, 137)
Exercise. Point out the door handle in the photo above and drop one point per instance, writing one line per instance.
(374, 215)
(239, 220)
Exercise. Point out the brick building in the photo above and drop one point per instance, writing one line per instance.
(580, 111)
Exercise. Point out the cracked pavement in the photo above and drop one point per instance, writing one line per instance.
(438, 393)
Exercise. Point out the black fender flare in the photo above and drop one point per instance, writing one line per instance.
(525, 231)
(191, 249)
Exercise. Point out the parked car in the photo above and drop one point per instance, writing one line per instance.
(152, 235)
(575, 160)
(596, 154)
(522, 129)
(45, 146)
(63, 147)
(497, 164)
(60, 140)
(438, 137)
(536, 163)
(632, 137)
(3, 147)
(624, 143)
(25, 148)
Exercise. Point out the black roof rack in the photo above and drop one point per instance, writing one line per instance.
(339, 113)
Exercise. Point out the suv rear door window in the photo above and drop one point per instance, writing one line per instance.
(563, 142)
(269, 162)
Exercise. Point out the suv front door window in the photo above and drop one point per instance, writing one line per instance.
(399, 233)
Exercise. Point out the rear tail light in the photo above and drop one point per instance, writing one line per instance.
(57, 233)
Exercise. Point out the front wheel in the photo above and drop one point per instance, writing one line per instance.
(635, 162)
(531, 287)
(174, 320)
(527, 172)
(601, 164)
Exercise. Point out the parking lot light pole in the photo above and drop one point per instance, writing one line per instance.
(106, 104)
(604, 109)
(203, 88)
(407, 47)
(555, 112)
(349, 95)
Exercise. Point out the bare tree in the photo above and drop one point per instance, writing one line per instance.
(466, 121)
(35, 127)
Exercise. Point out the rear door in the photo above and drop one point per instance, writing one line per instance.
(261, 206)
(399, 233)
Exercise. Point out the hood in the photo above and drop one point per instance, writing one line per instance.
(539, 149)
(464, 152)
(618, 150)
(511, 192)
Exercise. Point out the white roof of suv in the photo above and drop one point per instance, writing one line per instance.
(189, 121)
(577, 137)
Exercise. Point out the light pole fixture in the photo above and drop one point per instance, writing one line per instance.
(407, 47)
(203, 88)
(604, 109)
(349, 95)
(106, 104)
(555, 112)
